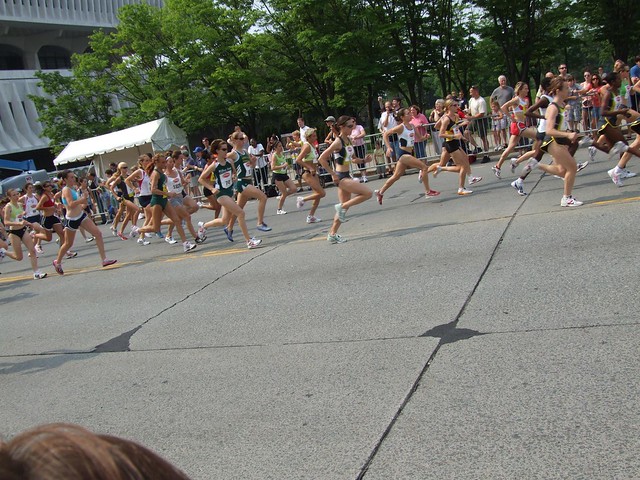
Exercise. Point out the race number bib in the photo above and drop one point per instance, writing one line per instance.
(226, 179)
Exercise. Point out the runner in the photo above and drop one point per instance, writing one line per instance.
(17, 224)
(279, 168)
(160, 203)
(343, 152)
(76, 217)
(406, 136)
(223, 172)
(307, 159)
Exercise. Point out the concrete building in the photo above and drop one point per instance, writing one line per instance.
(41, 35)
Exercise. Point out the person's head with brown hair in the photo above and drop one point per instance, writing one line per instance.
(69, 452)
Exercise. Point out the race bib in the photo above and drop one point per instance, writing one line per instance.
(227, 179)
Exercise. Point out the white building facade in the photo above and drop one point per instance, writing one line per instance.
(42, 35)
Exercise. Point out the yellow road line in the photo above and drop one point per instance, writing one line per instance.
(619, 200)
(207, 254)
(67, 271)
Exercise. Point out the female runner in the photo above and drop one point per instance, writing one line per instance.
(342, 152)
(77, 217)
(17, 224)
(279, 168)
(406, 136)
(50, 221)
(118, 187)
(307, 159)
(160, 203)
(223, 172)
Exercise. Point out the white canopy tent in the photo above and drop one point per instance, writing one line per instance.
(124, 145)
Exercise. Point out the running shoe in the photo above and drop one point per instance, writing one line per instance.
(281, 212)
(432, 193)
(518, 185)
(615, 177)
(58, 267)
(39, 249)
(135, 231)
(583, 165)
(592, 153)
(627, 174)
(336, 238)
(106, 262)
(90, 239)
(200, 239)
(71, 254)
(585, 141)
(514, 165)
(618, 148)
(378, 196)
(342, 213)
(299, 202)
(143, 241)
(365, 179)
(496, 171)
(437, 171)
(531, 164)
(113, 231)
(253, 243)
(420, 176)
(228, 233)
(464, 191)
(159, 234)
(38, 275)
(188, 246)
(570, 202)
(202, 232)
(474, 180)
(122, 236)
(170, 240)
(2, 253)
(312, 219)
(263, 227)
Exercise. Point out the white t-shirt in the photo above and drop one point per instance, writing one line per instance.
(477, 105)
(303, 133)
(258, 151)
(392, 121)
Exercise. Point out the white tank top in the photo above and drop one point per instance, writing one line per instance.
(30, 206)
(542, 123)
(407, 137)
(145, 185)
(174, 183)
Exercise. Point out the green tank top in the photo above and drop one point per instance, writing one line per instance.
(16, 214)
(162, 184)
(224, 176)
(243, 165)
(280, 164)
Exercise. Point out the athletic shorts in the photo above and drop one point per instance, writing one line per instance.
(18, 233)
(50, 221)
(144, 200)
(540, 136)
(225, 192)
(243, 183)
(516, 128)
(176, 201)
(74, 223)
(33, 219)
(281, 177)
(452, 145)
(158, 200)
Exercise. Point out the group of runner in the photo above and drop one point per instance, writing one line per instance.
(227, 178)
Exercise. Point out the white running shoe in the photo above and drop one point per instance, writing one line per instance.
(364, 179)
(584, 141)
(299, 202)
(134, 231)
(570, 202)
(281, 212)
(464, 191)
(474, 180)
(496, 171)
(170, 240)
(336, 238)
(592, 154)
(514, 165)
(627, 174)
(615, 177)
(253, 243)
(618, 148)
(202, 232)
(518, 184)
(313, 219)
(143, 241)
(583, 165)
(188, 246)
(39, 275)
(3, 252)
(437, 171)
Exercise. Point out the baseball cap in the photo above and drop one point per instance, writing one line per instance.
(198, 149)
(330, 119)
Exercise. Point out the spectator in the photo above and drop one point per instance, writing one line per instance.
(207, 144)
(261, 172)
(478, 116)
(419, 122)
(562, 70)
(357, 139)
(573, 110)
(303, 129)
(435, 115)
(499, 127)
(271, 142)
(330, 122)
(57, 451)
(503, 93)
(588, 117)
(462, 102)
(387, 122)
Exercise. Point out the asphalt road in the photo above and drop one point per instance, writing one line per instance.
(491, 336)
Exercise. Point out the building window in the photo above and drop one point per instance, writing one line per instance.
(10, 58)
(52, 57)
